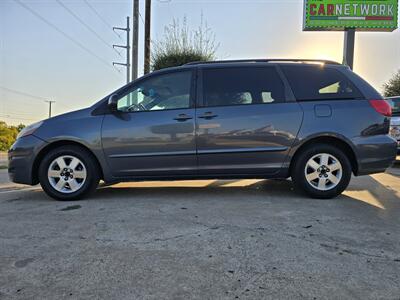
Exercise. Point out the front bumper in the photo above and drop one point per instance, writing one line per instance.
(375, 153)
(21, 158)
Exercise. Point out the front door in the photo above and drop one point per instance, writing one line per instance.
(245, 125)
(152, 133)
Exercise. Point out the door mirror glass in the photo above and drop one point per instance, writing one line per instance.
(112, 102)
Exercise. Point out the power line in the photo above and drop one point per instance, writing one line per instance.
(100, 17)
(169, 5)
(65, 106)
(86, 25)
(17, 118)
(19, 115)
(22, 93)
(141, 18)
(64, 34)
(32, 96)
(23, 113)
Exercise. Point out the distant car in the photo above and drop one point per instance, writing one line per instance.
(314, 121)
(395, 120)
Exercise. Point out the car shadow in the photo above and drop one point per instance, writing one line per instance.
(281, 188)
(366, 189)
(374, 191)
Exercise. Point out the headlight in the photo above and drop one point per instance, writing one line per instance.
(29, 129)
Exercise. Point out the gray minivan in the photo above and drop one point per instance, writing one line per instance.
(314, 121)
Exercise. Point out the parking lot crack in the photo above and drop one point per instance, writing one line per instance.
(178, 236)
(341, 250)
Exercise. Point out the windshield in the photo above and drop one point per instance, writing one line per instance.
(395, 103)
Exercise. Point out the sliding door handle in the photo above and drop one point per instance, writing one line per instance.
(182, 118)
(208, 115)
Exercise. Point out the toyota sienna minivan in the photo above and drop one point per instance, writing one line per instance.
(314, 121)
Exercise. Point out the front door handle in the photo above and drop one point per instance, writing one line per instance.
(182, 118)
(208, 115)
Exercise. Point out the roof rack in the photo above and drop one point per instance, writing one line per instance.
(329, 62)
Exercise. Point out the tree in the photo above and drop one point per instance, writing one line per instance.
(180, 45)
(8, 134)
(392, 87)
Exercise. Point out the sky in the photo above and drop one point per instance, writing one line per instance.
(50, 55)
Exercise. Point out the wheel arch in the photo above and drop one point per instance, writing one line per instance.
(333, 140)
(42, 153)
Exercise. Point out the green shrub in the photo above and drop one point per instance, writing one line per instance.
(180, 45)
(392, 87)
(8, 134)
(167, 60)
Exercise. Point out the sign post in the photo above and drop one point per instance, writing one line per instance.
(350, 16)
(348, 47)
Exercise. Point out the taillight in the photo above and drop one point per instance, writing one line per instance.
(382, 107)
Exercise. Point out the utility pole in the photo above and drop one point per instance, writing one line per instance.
(127, 48)
(135, 39)
(147, 37)
(50, 103)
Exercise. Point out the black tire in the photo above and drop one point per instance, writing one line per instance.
(299, 177)
(92, 173)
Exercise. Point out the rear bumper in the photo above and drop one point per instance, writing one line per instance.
(375, 153)
(21, 158)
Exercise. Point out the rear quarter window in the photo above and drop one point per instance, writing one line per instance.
(320, 83)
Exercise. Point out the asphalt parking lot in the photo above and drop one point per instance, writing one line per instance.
(237, 239)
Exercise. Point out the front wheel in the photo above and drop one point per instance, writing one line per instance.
(322, 171)
(68, 173)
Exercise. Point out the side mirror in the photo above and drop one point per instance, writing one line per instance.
(112, 103)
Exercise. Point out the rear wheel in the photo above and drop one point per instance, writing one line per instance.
(322, 171)
(68, 173)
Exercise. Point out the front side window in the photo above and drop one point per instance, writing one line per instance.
(242, 86)
(161, 92)
(319, 83)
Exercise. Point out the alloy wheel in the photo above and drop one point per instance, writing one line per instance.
(323, 171)
(67, 174)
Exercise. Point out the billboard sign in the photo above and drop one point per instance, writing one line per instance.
(337, 15)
